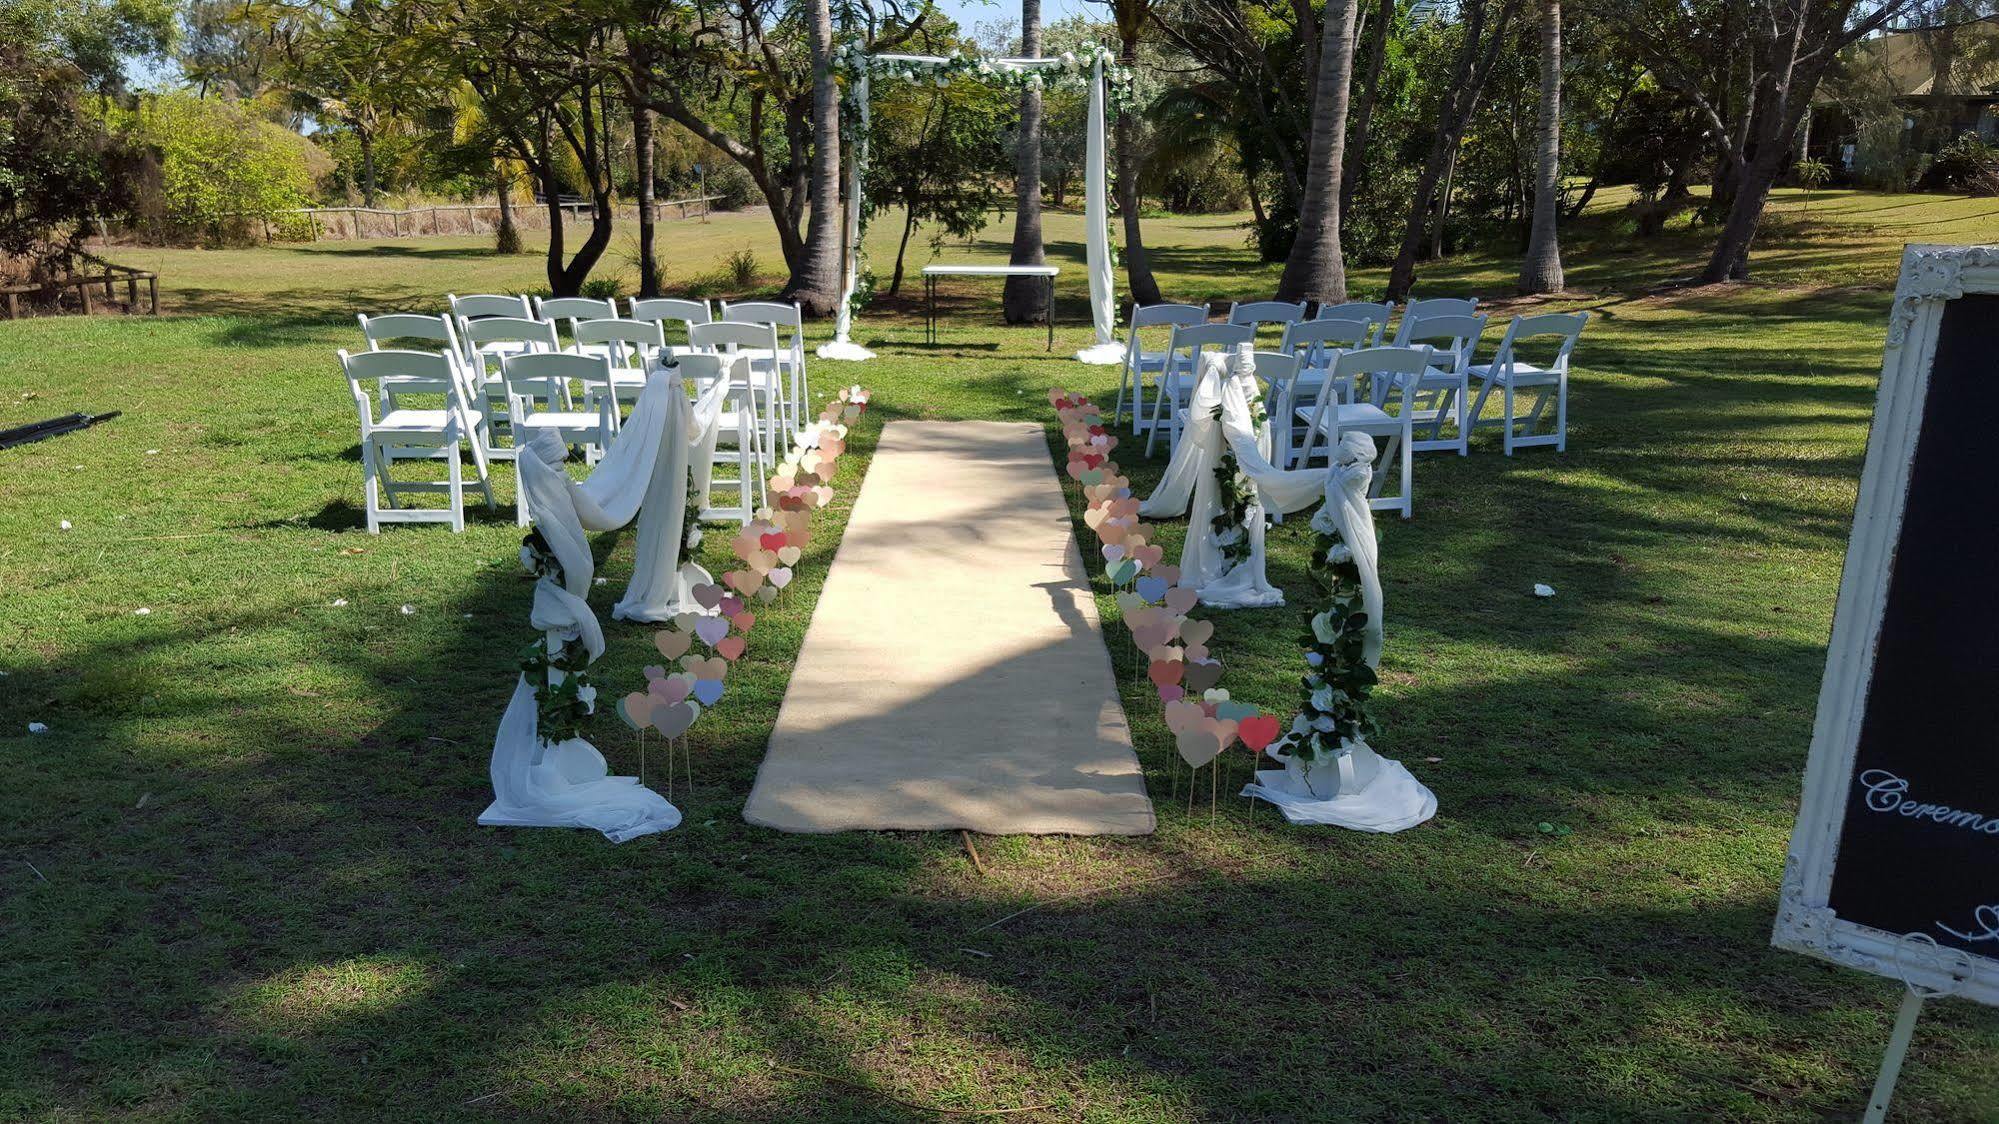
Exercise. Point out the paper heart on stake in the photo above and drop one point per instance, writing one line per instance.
(761, 561)
(744, 581)
(1197, 652)
(1170, 652)
(1180, 714)
(767, 594)
(1168, 574)
(708, 691)
(711, 629)
(670, 689)
(1112, 551)
(1197, 744)
(1148, 556)
(685, 622)
(1182, 598)
(1151, 587)
(672, 643)
(1223, 730)
(730, 606)
(707, 595)
(1235, 711)
(1122, 572)
(1201, 676)
(780, 577)
(1257, 733)
(1127, 604)
(636, 710)
(706, 667)
(654, 671)
(1144, 615)
(673, 721)
(731, 648)
(1150, 636)
(789, 555)
(1165, 673)
(744, 620)
(1197, 632)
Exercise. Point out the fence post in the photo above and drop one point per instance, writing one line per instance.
(153, 284)
(83, 291)
(312, 217)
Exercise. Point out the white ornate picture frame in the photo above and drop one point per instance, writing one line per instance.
(1931, 276)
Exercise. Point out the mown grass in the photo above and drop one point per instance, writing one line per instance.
(242, 877)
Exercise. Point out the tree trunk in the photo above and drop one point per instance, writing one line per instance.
(1461, 98)
(1316, 269)
(815, 280)
(1137, 267)
(507, 240)
(902, 248)
(367, 139)
(552, 196)
(648, 219)
(1441, 228)
(1541, 272)
(1363, 113)
(1025, 300)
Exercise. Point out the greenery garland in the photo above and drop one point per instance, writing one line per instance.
(1238, 493)
(561, 709)
(1333, 704)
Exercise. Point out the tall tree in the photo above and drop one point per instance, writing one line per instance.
(1025, 300)
(1541, 271)
(1131, 17)
(1482, 35)
(1375, 34)
(1316, 269)
(816, 279)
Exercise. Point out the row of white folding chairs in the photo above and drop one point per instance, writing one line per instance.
(536, 387)
(784, 355)
(1351, 323)
(1443, 390)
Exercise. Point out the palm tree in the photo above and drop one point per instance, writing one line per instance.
(1542, 271)
(1316, 269)
(1025, 300)
(816, 284)
(1131, 16)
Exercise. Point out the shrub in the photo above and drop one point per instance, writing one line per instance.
(603, 288)
(1965, 166)
(743, 268)
(732, 182)
(222, 171)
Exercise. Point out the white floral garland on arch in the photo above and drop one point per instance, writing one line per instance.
(1091, 66)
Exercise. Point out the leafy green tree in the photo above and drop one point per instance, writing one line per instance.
(221, 167)
(935, 151)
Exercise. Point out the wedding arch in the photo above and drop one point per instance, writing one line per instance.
(1090, 66)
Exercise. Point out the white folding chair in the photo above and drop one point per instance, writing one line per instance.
(405, 434)
(1398, 368)
(488, 343)
(483, 306)
(660, 310)
(632, 346)
(1416, 311)
(1139, 362)
(740, 441)
(789, 357)
(539, 398)
(1508, 373)
(764, 383)
(1443, 391)
(1373, 317)
(1183, 366)
(566, 312)
(1255, 314)
(1313, 344)
(406, 328)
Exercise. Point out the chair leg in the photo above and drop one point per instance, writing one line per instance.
(1163, 393)
(371, 488)
(457, 491)
(1506, 435)
(1562, 415)
(1477, 408)
(1408, 474)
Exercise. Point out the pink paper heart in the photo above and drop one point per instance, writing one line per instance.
(731, 648)
(1182, 598)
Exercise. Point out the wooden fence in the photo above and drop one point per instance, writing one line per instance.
(86, 286)
(337, 224)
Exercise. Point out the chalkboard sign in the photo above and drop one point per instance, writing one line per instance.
(1894, 863)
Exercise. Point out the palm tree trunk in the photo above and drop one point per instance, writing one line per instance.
(815, 282)
(1137, 268)
(1541, 272)
(507, 240)
(1363, 113)
(1316, 268)
(648, 219)
(1025, 300)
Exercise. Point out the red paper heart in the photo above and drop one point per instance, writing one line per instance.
(1257, 732)
(1165, 673)
(731, 648)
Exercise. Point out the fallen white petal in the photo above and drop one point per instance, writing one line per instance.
(409, 610)
(152, 452)
(1543, 590)
(38, 727)
(340, 602)
(65, 524)
(142, 611)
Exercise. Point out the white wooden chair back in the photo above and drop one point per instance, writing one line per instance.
(661, 309)
(405, 328)
(480, 305)
(1183, 364)
(429, 367)
(574, 308)
(630, 344)
(1568, 326)
(1416, 311)
(1453, 336)
(1138, 362)
(395, 433)
(544, 377)
(1255, 314)
(1396, 369)
(728, 336)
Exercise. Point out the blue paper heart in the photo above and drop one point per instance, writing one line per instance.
(1092, 476)
(1151, 588)
(1122, 571)
(1235, 711)
(708, 691)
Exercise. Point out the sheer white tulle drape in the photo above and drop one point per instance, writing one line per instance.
(1220, 419)
(666, 444)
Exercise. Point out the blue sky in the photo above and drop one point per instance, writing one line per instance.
(971, 13)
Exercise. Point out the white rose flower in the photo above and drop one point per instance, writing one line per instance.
(1340, 554)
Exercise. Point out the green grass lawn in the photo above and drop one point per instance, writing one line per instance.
(240, 875)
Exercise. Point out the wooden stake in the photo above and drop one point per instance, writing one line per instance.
(977, 863)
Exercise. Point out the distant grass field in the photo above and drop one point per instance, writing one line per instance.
(240, 877)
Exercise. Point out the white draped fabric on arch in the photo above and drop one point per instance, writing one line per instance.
(661, 457)
(1105, 349)
(1219, 419)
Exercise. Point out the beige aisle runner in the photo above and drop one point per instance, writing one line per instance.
(954, 675)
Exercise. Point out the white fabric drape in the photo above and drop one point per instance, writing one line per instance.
(842, 345)
(645, 475)
(1226, 386)
(1105, 350)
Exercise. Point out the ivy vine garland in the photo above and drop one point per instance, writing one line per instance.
(561, 709)
(1333, 704)
(1237, 494)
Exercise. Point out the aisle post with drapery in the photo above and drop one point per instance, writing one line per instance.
(1090, 64)
(544, 773)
